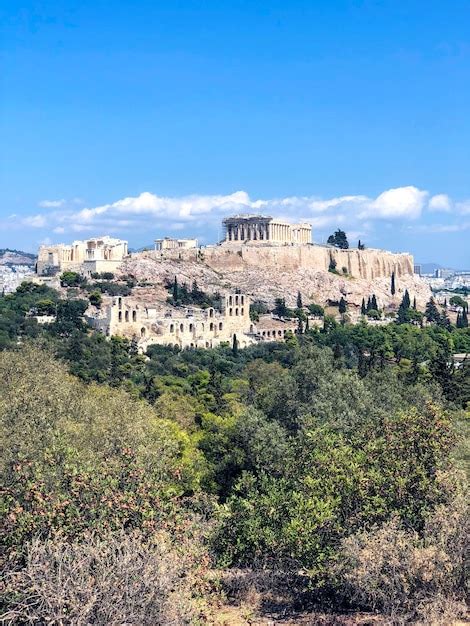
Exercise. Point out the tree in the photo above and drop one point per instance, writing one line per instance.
(406, 300)
(72, 279)
(392, 284)
(431, 312)
(343, 306)
(95, 298)
(316, 310)
(414, 303)
(299, 300)
(332, 265)
(45, 307)
(463, 319)
(373, 303)
(235, 346)
(363, 307)
(280, 308)
(339, 240)
(360, 245)
(175, 291)
(458, 301)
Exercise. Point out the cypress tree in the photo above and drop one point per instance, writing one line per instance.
(307, 325)
(299, 300)
(406, 300)
(373, 303)
(368, 308)
(363, 307)
(342, 305)
(175, 290)
(431, 312)
(462, 319)
(235, 346)
(414, 303)
(392, 285)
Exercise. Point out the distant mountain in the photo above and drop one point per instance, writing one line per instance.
(430, 268)
(16, 257)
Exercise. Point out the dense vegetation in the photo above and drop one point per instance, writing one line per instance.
(335, 461)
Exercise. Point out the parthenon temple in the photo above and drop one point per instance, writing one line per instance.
(261, 228)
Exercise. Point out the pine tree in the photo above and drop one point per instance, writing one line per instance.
(339, 240)
(363, 307)
(392, 285)
(299, 300)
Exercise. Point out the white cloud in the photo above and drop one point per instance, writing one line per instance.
(150, 212)
(51, 204)
(402, 202)
(440, 202)
(35, 221)
(463, 207)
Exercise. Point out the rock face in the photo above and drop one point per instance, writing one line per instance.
(269, 272)
(356, 263)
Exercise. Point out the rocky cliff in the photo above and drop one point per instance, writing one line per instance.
(269, 272)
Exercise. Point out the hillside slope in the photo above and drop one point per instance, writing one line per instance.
(269, 283)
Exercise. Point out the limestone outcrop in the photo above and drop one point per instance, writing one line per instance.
(268, 272)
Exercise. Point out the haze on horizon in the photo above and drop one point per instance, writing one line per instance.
(163, 120)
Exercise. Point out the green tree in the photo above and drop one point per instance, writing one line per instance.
(72, 279)
(392, 284)
(235, 346)
(339, 240)
(343, 306)
(431, 312)
(363, 307)
(299, 300)
(95, 298)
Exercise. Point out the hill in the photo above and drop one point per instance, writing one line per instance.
(16, 257)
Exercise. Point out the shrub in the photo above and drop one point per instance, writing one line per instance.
(410, 578)
(117, 579)
(316, 310)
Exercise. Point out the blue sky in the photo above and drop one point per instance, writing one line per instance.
(158, 118)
